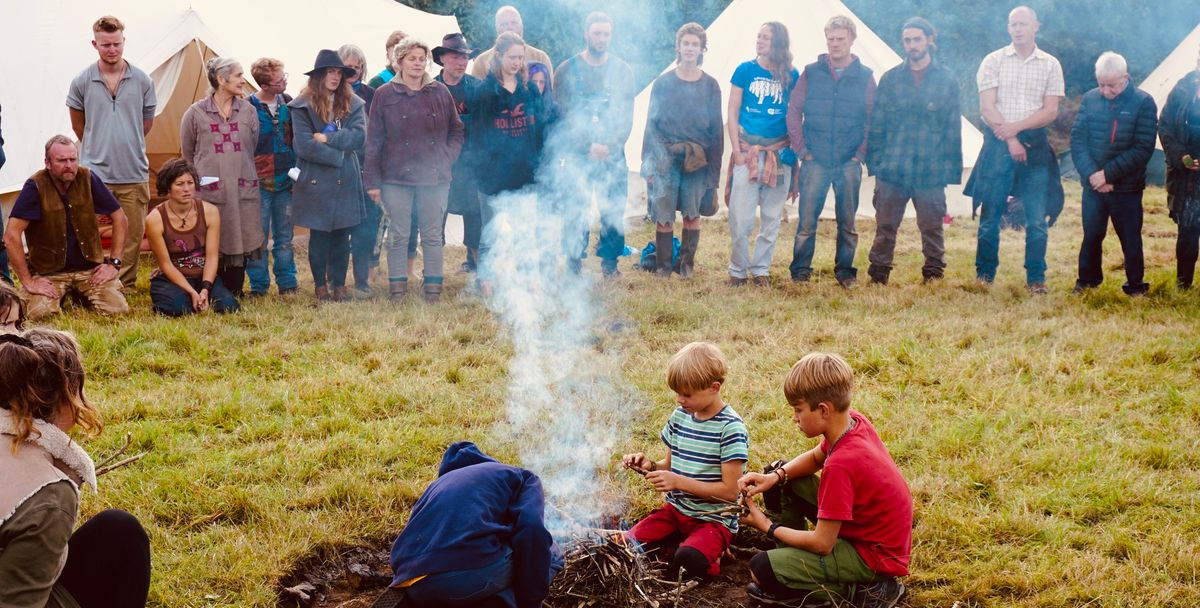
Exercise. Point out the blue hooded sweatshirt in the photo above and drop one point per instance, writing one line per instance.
(473, 515)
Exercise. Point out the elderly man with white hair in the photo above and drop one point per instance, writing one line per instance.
(1111, 143)
(508, 19)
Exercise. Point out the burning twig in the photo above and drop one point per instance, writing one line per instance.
(107, 465)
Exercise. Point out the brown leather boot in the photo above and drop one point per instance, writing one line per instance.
(323, 294)
(397, 290)
(433, 292)
(664, 249)
(340, 294)
(687, 253)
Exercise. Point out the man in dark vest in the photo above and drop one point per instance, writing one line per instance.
(827, 122)
(56, 214)
(916, 149)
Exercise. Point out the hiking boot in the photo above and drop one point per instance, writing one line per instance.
(433, 292)
(883, 593)
(1037, 289)
(848, 283)
(797, 598)
(801, 278)
(323, 295)
(761, 281)
(931, 279)
(687, 253)
(397, 290)
(736, 281)
(340, 294)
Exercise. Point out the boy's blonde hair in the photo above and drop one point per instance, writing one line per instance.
(695, 367)
(820, 378)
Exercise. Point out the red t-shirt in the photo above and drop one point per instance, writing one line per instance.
(862, 488)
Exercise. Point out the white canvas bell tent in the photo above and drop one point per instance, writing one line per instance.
(731, 42)
(1159, 83)
(49, 42)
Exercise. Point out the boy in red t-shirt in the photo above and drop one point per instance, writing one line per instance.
(861, 504)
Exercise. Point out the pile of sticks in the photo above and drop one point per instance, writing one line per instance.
(603, 570)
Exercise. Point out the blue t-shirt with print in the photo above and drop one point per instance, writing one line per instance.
(764, 100)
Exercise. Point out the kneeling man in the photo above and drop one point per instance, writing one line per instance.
(476, 537)
(56, 214)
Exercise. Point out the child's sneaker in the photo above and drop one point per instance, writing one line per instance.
(883, 593)
(795, 599)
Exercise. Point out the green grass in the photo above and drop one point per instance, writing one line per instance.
(1051, 443)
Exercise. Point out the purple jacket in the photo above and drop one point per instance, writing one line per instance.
(413, 137)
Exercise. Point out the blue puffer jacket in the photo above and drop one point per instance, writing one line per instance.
(1115, 136)
(835, 111)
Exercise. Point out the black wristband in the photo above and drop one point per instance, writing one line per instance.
(206, 285)
(771, 531)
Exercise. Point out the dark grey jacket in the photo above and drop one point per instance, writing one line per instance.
(329, 194)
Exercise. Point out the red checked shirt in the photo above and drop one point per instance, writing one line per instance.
(862, 488)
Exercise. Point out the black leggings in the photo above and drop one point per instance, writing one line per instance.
(108, 562)
(329, 256)
(232, 277)
(1187, 249)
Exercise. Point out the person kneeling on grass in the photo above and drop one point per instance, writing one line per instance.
(185, 233)
(476, 537)
(708, 449)
(861, 504)
(41, 399)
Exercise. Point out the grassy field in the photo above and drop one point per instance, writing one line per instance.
(1051, 443)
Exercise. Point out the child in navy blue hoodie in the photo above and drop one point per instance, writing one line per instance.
(481, 513)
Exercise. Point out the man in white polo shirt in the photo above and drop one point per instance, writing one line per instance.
(1020, 87)
(112, 109)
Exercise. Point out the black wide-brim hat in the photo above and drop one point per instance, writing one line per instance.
(329, 59)
(451, 43)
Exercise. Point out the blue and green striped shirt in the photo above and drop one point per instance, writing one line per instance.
(698, 448)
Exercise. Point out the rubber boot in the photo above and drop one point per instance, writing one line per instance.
(433, 292)
(687, 252)
(664, 249)
(397, 290)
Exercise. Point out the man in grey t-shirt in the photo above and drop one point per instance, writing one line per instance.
(112, 109)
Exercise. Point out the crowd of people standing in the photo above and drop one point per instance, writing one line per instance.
(365, 166)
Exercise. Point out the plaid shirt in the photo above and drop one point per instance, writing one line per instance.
(273, 153)
(1022, 84)
(916, 131)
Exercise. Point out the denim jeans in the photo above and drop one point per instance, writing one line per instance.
(1125, 209)
(329, 255)
(362, 245)
(277, 227)
(1031, 185)
(815, 181)
(745, 197)
(609, 180)
(168, 299)
(490, 585)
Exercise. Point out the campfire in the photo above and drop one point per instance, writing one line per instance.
(603, 569)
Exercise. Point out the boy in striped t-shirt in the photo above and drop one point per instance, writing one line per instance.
(707, 452)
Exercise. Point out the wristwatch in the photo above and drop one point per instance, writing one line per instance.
(114, 262)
